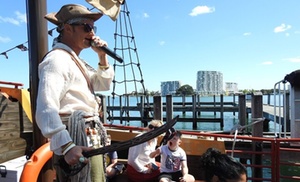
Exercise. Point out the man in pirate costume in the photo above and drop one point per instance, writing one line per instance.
(67, 108)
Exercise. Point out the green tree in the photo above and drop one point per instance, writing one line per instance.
(152, 93)
(185, 90)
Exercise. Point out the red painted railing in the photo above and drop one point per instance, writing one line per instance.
(16, 85)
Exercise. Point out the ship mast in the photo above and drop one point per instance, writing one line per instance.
(38, 47)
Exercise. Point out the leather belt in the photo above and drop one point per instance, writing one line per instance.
(68, 115)
(89, 123)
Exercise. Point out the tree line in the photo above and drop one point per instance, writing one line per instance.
(189, 90)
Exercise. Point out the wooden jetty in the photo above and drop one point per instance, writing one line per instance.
(167, 108)
(278, 113)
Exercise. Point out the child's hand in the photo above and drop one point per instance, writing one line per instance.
(155, 153)
(149, 168)
(181, 179)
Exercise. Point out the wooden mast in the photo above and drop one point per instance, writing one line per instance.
(38, 46)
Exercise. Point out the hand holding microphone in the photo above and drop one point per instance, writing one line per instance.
(108, 52)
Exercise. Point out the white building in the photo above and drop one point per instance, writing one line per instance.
(209, 83)
(169, 87)
(231, 88)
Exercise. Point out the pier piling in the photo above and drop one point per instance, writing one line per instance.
(157, 108)
(257, 131)
(242, 110)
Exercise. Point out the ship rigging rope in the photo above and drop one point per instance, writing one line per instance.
(128, 81)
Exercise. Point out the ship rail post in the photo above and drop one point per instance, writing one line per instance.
(257, 131)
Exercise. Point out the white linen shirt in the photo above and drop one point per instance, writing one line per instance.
(62, 90)
(139, 155)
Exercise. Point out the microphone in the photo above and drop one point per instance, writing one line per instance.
(108, 52)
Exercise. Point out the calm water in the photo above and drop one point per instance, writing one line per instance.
(230, 119)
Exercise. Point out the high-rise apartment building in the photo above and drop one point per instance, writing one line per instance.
(169, 87)
(209, 83)
(231, 87)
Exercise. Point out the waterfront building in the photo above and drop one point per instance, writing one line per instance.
(209, 83)
(169, 87)
(231, 88)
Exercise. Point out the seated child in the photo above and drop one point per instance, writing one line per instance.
(113, 168)
(173, 162)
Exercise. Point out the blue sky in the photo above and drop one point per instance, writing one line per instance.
(253, 43)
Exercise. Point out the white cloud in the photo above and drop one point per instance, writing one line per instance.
(162, 43)
(293, 60)
(9, 20)
(145, 15)
(21, 17)
(247, 33)
(267, 63)
(4, 39)
(201, 10)
(281, 28)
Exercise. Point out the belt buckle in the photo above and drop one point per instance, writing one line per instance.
(93, 138)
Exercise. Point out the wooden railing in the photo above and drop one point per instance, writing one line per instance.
(16, 85)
